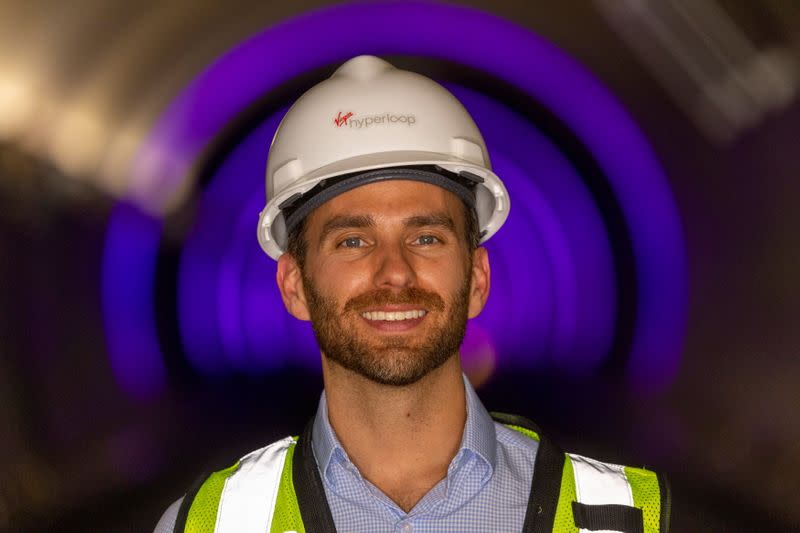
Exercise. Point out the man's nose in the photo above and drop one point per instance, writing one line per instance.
(394, 268)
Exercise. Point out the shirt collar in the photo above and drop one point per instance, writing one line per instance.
(323, 439)
(479, 435)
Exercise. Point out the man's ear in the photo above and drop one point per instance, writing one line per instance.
(480, 283)
(290, 283)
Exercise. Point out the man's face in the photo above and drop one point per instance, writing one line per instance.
(388, 282)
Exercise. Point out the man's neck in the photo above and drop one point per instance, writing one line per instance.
(402, 439)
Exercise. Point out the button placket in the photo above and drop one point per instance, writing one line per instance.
(405, 527)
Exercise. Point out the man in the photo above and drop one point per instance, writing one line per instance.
(379, 193)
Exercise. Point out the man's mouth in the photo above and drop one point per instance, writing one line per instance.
(392, 316)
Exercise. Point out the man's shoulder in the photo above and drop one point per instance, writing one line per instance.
(513, 438)
(516, 431)
(170, 517)
(167, 522)
(517, 443)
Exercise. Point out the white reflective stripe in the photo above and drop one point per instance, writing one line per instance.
(598, 483)
(248, 497)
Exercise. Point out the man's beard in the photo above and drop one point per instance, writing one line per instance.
(389, 359)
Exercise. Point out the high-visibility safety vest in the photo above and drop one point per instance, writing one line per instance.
(279, 489)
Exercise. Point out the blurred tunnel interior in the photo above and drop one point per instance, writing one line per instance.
(646, 290)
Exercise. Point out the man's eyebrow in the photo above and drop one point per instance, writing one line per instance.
(436, 219)
(345, 222)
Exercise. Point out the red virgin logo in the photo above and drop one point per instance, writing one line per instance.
(367, 121)
(341, 120)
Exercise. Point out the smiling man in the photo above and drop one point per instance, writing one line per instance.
(380, 192)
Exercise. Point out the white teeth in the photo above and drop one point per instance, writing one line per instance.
(393, 315)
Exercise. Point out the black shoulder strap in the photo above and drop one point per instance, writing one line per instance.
(666, 502)
(308, 487)
(546, 483)
(186, 504)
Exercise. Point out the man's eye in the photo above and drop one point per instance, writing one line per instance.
(427, 240)
(352, 242)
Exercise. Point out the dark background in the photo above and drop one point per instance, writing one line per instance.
(82, 82)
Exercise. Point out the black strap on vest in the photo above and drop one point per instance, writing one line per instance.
(666, 502)
(613, 517)
(308, 486)
(186, 504)
(546, 483)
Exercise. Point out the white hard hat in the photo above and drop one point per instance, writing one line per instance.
(370, 122)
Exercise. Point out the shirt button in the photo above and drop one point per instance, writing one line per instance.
(406, 528)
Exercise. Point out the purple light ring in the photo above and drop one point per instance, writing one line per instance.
(229, 289)
(179, 136)
(659, 309)
(561, 270)
(224, 199)
(199, 331)
(575, 236)
(523, 296)
(134, 352)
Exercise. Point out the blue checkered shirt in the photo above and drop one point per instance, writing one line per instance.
(486, 488)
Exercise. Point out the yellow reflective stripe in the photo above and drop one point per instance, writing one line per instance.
(564, 522)
(202, 515)
(646, 496)
(287, 511)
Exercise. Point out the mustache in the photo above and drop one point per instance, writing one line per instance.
(412, 295)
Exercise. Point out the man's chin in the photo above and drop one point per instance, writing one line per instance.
(390, 366)
(393, 378)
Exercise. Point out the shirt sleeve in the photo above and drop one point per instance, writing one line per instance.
(167, 522)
